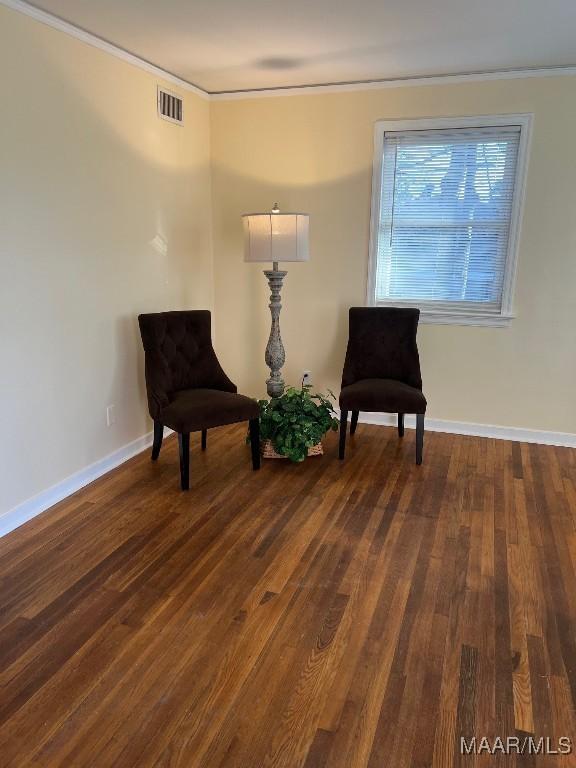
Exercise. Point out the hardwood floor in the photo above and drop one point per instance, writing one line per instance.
(364, 613)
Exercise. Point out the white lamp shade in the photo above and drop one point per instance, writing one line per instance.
(276, 236)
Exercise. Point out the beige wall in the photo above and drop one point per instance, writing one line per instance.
(314, 153)
(89, 176)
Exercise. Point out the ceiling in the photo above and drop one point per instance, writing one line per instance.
(226, 45)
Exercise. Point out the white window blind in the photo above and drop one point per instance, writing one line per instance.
(446, 208)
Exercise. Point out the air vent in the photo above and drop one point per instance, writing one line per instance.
(170, 106)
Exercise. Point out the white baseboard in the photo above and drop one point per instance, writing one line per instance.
(37, 504)
(517, 434)
(34, 506)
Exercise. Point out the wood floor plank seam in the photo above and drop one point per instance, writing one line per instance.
(359, 614)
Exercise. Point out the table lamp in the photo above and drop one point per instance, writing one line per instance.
(275, 237)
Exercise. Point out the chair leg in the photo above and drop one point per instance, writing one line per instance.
(419, 437)
(204, 438)
(401, 425)
(354, 421)
(184, 445)
(343, 429)
(255, 442)
(157, 444)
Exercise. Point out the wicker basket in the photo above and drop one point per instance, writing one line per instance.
(268, 452)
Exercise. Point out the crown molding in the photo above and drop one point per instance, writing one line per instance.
(401, 82)
(97, 42)
(259, 93)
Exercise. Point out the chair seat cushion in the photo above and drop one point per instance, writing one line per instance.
(194, 409)
(382, 396)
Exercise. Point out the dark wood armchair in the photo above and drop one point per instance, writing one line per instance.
(382, 370)
(187, 389)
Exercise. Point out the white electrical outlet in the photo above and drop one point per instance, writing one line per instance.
(110, 415)
(307, 378)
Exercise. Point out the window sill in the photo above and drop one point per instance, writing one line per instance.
(457, 318)
(453, 315)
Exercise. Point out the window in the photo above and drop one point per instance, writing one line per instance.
(445, 216)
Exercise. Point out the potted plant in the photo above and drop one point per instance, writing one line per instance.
(292, 425)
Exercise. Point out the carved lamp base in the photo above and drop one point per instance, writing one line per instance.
(275, 355)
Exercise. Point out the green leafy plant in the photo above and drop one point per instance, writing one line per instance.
(296, 421)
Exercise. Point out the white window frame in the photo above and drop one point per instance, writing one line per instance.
(466, 316)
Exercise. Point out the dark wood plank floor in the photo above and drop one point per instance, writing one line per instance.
(347, 615)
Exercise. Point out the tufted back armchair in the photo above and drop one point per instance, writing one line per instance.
(187, 389)
(179, 356)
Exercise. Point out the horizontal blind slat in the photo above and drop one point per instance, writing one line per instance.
(445, 214)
